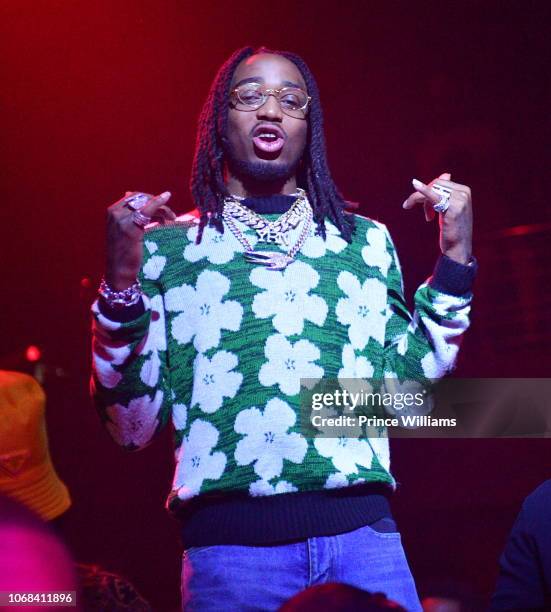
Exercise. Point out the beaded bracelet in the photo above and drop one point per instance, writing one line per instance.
(120, 299)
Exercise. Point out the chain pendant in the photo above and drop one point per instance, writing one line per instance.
(269, 259)
(276, 231)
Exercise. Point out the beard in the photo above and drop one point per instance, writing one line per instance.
(260, 171)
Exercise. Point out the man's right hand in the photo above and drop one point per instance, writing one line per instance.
(125, 238)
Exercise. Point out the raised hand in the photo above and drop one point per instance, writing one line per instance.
(456, 222)
(125, 236)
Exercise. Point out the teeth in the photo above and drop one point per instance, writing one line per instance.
(268, 135)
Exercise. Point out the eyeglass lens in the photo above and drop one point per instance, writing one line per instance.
(252, 97)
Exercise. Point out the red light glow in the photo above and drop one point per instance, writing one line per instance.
(33, 353)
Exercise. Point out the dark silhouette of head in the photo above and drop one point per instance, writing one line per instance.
(32, 556)
(337, 597)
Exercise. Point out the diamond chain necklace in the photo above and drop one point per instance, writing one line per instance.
(269, 231)
(272, 260)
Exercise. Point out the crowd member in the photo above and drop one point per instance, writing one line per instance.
(334, 597)
(27, 475)
(33, 559)
(524, 581)
(26, 470)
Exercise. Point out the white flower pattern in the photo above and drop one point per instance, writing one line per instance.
(203, 314)
(402, 343)
(196, 461)
(104, 360)
(315, 246)
(261, 487)
(155, 265)
(363, 310)
(267, 442)
(134, 424)
(381, 448)
(346, 453)
(338, 480)
(179, 416)
(394, 386)
(287, 296)
(288, 363)
(216, 247)
(375, 252)
(155, 341)
(213, 380)
(356, 369)
(106, 351)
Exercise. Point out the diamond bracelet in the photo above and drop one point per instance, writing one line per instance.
(119, 299)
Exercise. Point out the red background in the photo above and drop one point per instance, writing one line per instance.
(102, 97)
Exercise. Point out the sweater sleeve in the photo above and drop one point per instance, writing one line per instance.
(424, 346)
(130, 381)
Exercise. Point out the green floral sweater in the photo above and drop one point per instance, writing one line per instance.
(223, 344)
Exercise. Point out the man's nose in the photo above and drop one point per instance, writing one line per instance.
(270, 110)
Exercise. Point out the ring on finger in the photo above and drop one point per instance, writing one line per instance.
(140, 219)
(136, 201)
(445, 195)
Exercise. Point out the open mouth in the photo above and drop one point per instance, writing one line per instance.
(268, 138)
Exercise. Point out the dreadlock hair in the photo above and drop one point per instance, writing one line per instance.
(208, 188)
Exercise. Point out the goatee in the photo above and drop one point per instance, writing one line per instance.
(260, 171)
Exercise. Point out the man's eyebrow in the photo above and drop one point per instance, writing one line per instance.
(249, 80)
(291, 84)
(260, 81)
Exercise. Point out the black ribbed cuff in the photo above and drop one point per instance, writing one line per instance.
(452, 277)
(121, 315)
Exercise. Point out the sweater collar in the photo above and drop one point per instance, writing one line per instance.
(265, 205)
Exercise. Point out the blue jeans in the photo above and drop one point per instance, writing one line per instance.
(242, 578)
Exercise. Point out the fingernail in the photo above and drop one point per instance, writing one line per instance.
(404, 205)
(417, 183)
(165, 195)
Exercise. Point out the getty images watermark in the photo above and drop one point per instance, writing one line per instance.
(355, 408)
(345, 407)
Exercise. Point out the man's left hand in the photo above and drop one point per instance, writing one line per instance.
(456, 223)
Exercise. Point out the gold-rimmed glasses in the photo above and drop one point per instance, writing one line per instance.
(251, 96)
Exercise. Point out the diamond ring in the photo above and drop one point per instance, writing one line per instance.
(445, 195)
(140, 220)
(136, 201)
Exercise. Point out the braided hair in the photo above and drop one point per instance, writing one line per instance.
(207, 184)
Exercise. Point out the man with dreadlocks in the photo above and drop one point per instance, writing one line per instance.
(213, 318)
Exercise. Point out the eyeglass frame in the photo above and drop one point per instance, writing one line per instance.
(270, 92)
